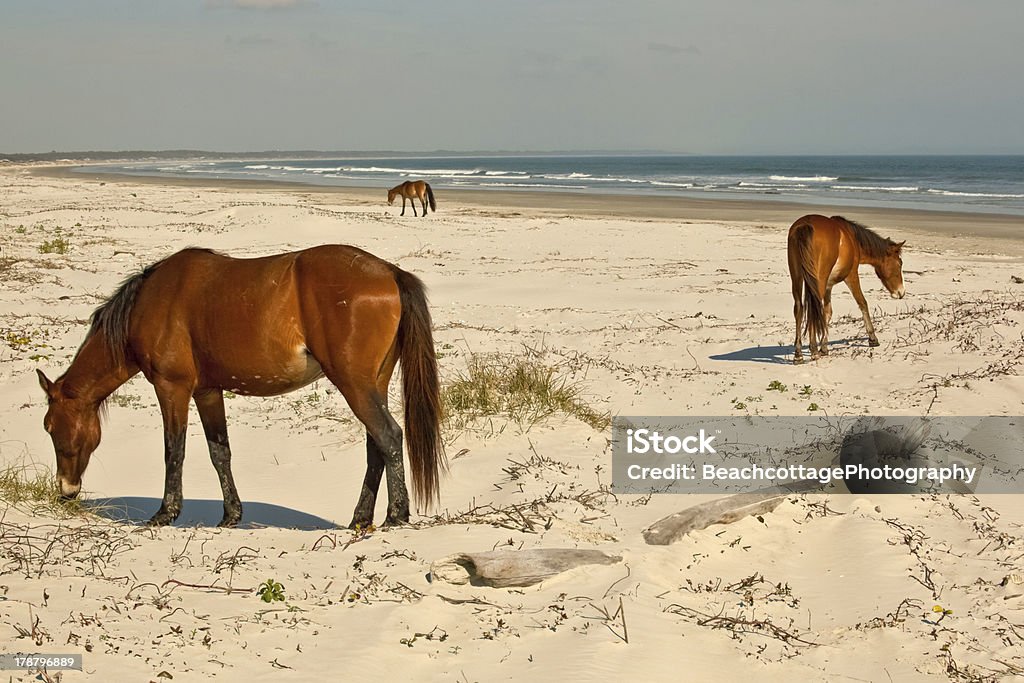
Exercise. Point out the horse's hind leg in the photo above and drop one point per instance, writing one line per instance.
(798, 314)
(173, 399)
(827, 304)
(383, 452)
(403, 206)
(363, 515)
(412, 203)
(423, 201)
(211, 411)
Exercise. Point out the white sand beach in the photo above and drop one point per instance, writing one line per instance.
(670, 311)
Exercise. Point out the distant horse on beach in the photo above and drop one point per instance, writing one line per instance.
(824, 251)
(413, 190)
(199, 323)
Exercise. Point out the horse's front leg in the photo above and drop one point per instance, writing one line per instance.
(853, 282)
(173, 401)
(211, 411)
(403, 206)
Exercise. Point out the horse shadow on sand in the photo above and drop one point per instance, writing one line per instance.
(138, 510)
(784, 354)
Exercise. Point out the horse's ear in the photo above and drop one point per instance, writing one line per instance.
(45, 383)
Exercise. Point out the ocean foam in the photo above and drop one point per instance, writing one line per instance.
(872, 188)
(986, 195)
(804, 179)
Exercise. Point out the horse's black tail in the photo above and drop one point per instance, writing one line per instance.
(813, 304)
(421, 392)
(430, 198)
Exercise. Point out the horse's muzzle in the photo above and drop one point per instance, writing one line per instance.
(69, 491)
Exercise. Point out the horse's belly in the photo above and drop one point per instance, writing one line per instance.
(269, 379)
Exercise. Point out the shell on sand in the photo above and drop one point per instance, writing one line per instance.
(503, 568)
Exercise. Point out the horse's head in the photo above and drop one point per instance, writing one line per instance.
(391, 196)
(74, 427)
(890, 270)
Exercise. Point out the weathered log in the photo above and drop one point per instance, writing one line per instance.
(504, 568)
(727, 510)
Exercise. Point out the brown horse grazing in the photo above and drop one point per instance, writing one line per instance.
(824, 251)
(413, 190)
(198, 323)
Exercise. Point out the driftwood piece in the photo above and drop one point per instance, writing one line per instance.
(504, 568)
(727, 510)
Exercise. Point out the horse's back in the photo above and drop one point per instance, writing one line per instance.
(231, 316)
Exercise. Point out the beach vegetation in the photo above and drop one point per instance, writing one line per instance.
(271, 591)
(33, 488)
(23, 339)
(58, 245)
(520, 387)
(776, 385)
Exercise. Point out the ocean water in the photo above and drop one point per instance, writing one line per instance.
(988, 184)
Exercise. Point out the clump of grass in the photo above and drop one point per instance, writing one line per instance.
(33, 488)
(519, 387)
(58, 245)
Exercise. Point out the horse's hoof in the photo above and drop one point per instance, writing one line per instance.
(873, 342)
(229, 522)
(161, 519)
(396, 520)
(798, 360)
(358, 523)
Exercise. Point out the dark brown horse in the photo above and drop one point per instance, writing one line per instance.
(198, 323)
(824, 251)
(413, 190)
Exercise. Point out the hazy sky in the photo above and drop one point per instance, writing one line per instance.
(715, 76)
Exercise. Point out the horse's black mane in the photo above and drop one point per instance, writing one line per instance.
(873, 244)
(113, 315)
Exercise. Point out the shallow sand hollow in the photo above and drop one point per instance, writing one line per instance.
(656, 308)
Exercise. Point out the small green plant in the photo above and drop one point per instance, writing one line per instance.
(776, 385)
(813, 407)
(24, 340)
(806, 390)
(270, 590)
(58, 245)
(738, 404)
(16, 339)
(21, 230)
(942, 612)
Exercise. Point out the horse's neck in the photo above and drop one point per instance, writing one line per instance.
(95, 373)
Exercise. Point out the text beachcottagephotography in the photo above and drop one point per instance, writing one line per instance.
(532, 341)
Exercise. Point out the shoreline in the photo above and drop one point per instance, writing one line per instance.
(990, 230)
